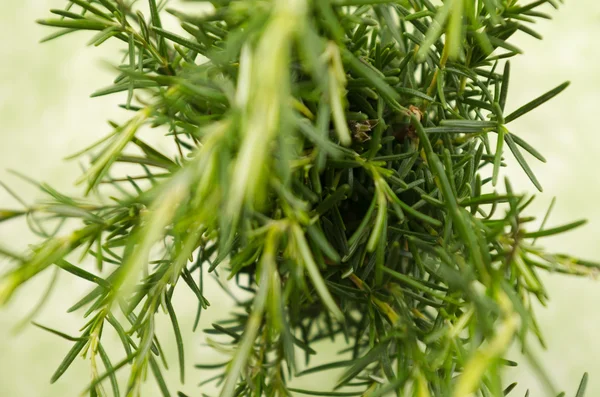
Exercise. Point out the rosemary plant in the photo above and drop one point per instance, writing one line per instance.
(340, 161)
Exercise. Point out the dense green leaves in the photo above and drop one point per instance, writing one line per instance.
(333, 159)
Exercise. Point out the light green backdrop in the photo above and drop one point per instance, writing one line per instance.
(46, 114)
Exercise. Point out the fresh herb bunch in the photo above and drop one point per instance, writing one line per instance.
(339, 160)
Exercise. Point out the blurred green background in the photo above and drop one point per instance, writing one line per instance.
(46, 114)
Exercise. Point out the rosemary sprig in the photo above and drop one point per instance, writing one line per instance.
(330, 156)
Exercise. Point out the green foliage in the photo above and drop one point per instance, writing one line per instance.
(333, 158)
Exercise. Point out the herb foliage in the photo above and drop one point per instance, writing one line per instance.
(341, 161)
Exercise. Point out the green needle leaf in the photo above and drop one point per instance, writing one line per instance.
(10, 214)
(79, 24)
(179, 40)
(156, 23)
(582, 386)
(313, 272)
(508, 138)
(110, 370)
(536, 102)
(61, 334)
(555, 230)
(69, 358)
(498, 156)
(504, 85)
(178, 338)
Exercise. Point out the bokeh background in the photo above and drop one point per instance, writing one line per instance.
(46, 114)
